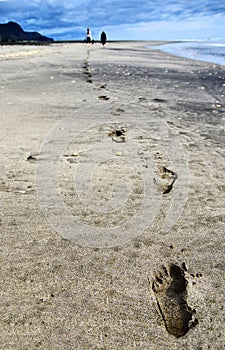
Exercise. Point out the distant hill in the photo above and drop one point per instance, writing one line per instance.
(11, 32)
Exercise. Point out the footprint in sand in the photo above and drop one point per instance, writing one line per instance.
(103, 97)
(32, 158)
(118, 135)
(169, 286)
(169, 175)
(159, 100)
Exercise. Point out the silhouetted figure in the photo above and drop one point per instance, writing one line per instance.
(88, 37)
(103, 38)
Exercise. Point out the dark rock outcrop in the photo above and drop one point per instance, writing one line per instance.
(11, 32)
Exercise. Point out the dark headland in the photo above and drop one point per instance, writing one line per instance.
(12, 33)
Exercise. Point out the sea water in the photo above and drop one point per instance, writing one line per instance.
(208, 51)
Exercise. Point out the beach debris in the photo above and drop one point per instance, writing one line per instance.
(74, 154)
(118, 135)
(119, 154)
(25, 191)
(103, 97)
(72, 157)
(169, 175)
(217, 104)
(170, 287)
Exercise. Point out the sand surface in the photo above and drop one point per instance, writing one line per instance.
(111, 177)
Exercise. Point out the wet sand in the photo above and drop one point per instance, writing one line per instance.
(112, 198)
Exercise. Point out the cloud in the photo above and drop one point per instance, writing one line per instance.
(199, 27)
(71, 17)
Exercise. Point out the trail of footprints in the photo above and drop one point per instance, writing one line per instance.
(169, 283)
(88, 76)
(86, 71)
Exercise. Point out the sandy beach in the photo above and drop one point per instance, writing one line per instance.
(112, 199)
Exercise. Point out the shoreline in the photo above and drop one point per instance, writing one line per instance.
(131, 117)
(154, 43)
(191, 50)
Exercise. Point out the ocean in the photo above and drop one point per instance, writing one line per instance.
(208, 51)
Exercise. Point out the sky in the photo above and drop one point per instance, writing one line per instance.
(120, 19)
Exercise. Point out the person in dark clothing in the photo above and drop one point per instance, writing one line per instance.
(103, 38)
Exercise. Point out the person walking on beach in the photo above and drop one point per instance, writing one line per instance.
(103, 39)
(88, 37)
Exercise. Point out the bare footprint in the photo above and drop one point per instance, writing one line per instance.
(168, 175)
(169, 286)
(118, 135)
(103, 97)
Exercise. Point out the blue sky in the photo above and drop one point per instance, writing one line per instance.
(120, 19)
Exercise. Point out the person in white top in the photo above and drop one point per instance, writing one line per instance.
(88, 37)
